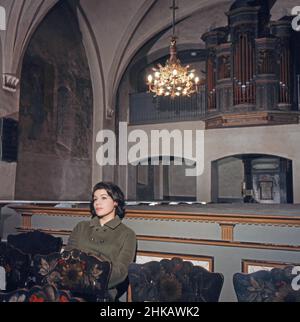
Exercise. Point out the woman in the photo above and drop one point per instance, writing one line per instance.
(105, 235)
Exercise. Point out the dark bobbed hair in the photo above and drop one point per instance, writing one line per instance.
(115, 193)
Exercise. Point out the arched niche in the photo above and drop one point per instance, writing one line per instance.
(56, 112)
(252, 178)
(162, 178)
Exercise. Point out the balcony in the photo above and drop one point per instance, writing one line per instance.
(146, 109)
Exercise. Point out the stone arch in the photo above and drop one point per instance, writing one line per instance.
(116, 74)
(255, 152)
(21, 32)
(56, 104)
(21, 26)
(252, 177)
(157, 179)
(98, 84)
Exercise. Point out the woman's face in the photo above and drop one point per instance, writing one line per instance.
(104, 205)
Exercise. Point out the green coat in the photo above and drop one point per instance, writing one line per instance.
(114, 241)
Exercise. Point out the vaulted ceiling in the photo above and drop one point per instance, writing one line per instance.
(114, 31)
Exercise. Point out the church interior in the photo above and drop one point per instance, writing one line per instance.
(210, 172)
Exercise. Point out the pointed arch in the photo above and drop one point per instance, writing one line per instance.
(24, 18)
(129, 52)
(98, 84)
(56, 104)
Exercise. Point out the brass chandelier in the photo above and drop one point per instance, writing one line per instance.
(173, 79)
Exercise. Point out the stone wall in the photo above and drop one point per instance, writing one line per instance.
(231, 176)
(55, 142)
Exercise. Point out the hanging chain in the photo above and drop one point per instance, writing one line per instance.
(173, 21)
